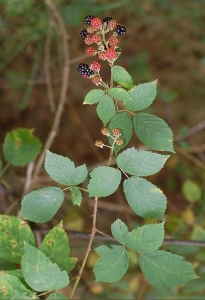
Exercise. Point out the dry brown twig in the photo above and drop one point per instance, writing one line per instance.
(64, 89)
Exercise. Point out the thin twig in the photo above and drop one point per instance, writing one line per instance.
(47, 66)
(88, 247)
(190, 157)
(196, 128)
(64, 88)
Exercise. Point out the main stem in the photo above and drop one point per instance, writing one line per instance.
(88, 247)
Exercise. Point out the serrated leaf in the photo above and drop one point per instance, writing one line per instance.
(153, 132)
(62, 169)
(41, 205)
(145, 238)
(121, 76)
(122, 121)
(112, 264)
(40, 273)
(140, 163)
(21, 147)
(143, 95)
(12, 288)
(13, 233)
(164, 269)
(104, 181)
(57, 296)
(144, 198)
(76, 195)
(106, 109)
(93, 96)
(120, 94)
(56, 247)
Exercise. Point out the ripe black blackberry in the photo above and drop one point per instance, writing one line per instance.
(88, 19)
(84, 70)
(84, 33)
(120, 30)
(107, 19)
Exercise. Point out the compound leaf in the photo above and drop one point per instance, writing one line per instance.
(153, 132)
(62, 169)
(93, 96)
(12, 288)
(140, 163)
(145, 238)
(56, 247)
(40, 273)
(104, 181)
(21, 146)
(164, 269)
(143, 95)
(122, 77)
(122, 121)
(13, 233)
(112, 264)
(144, 198)
(106, 109)
(41, 205)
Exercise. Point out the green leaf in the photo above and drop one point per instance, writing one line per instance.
(13, 233)
(112, 264)
(153, 132)
(6, 264)
(93, 96)
(104, 181)
(146, 238)
(122, 121)
(57, 296)
(56, 247)
(164, 269)
(144, 198)
(191, 190)
(143, 95)
(106, 109)
(62, 169)
(121, 76)
(120, 94)
(140, 163)
(76, 195)
(21, 147)
(41, 205)
(40, 273)
(12, 288)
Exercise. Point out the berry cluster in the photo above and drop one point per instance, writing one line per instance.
(105, 50)
(115, 135)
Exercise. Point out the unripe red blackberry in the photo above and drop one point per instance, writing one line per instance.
(84, 70)
(102, 55)
(83, 33)
(116, 132)
(99, 144)
(120, 30)
(112, 24)
(113, 41)
(119, 141)
(111, 54)
(96, 23)
(88, 19)
(96, 38)
(90, 29)
(96, 79)
(95, 66)
(88, 40)
(105, 131)
(90, 51)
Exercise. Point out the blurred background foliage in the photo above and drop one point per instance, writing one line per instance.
(165, 40)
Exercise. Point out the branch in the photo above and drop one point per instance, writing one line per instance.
(64, 89)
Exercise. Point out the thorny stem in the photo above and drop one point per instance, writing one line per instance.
(88, 247)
